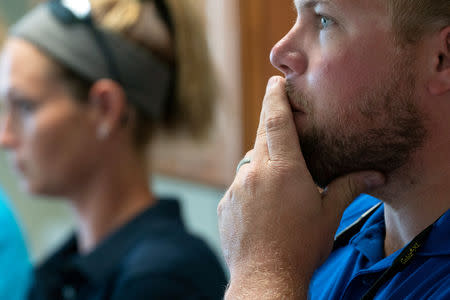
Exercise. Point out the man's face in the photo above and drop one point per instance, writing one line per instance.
(351, 88)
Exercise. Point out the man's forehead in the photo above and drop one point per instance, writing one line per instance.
(312, 3)
(345, 5)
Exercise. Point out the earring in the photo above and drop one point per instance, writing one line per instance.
(102, 131)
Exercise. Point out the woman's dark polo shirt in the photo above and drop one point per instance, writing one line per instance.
(151, 257)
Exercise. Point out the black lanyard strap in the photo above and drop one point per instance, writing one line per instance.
(400, 263)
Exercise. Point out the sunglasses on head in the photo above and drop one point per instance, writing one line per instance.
(72, 12)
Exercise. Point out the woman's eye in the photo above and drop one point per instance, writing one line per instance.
(25, 106)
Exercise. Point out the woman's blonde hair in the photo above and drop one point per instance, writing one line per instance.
(196, 82)
(191, 107)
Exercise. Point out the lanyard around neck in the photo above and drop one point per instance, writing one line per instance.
(401, 262)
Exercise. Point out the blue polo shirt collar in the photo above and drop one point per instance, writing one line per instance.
(435, 244)
(370, 241)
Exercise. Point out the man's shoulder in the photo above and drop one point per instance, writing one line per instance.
(356, 209)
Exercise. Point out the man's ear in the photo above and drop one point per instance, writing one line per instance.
(440, 82)
(108, 103)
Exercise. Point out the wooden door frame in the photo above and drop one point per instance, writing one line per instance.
(263, 23)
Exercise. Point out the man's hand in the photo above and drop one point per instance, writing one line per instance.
(276, 227)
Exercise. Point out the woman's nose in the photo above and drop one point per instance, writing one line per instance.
(8, 139)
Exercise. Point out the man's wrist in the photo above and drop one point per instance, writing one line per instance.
(266, 284)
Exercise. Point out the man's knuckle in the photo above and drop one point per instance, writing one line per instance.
(249, 181)
(260, 132)
(281, 167)
(276, 122)
(250, 178)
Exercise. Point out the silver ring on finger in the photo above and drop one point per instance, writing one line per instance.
(243, 161)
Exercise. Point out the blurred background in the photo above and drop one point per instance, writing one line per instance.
(241, 34)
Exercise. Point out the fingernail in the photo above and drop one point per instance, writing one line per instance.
(272, 81)
(374, 180)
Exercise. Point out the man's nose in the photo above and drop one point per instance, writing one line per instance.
(8, 139)
(287, 55)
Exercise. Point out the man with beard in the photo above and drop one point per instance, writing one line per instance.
(363, 107)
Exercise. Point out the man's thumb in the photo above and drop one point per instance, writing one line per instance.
(343, 190)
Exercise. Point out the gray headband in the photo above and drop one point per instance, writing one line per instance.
(145, 79)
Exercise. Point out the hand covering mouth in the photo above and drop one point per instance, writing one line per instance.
(295, 107)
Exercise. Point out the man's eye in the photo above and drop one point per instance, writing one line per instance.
(325, 22)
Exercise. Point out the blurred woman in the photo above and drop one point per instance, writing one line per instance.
(15, 264)
(83, 88)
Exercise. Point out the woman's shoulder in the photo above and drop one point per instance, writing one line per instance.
(168, 253)
(177, 252)
(179, 264)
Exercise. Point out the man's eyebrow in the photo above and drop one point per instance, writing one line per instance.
(311, 3)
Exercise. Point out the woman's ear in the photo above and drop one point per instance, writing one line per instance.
(108, 103)
(440, 82)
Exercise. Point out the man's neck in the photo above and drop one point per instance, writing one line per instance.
(412, 212)
(417, 194)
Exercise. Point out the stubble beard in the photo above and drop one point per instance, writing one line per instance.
(392, 131)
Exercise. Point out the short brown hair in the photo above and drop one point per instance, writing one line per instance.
(411, 19)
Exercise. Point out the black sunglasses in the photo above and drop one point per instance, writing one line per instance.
(79, 12)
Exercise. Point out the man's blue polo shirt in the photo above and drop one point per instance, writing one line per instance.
(353, 268)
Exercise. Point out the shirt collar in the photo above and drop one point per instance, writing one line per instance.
(438, 242)
(370, 240)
